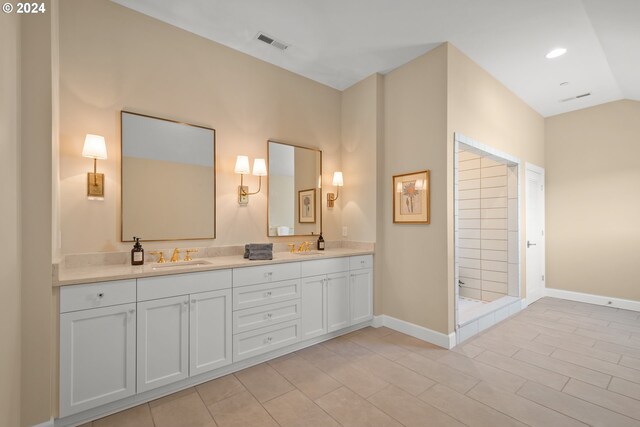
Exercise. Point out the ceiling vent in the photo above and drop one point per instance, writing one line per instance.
(271, 41)
(576, 97)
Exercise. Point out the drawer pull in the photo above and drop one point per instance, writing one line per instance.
(100, 294)
(267, 340)
(132, 311)
(268, 274)
(267, 294)
(269, 316)
(361, 262)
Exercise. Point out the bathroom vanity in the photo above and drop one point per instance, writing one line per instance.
(132, 334)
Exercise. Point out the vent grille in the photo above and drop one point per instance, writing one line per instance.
(271, 41)
(576, 97)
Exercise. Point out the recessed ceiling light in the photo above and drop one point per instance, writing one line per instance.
(556, 53)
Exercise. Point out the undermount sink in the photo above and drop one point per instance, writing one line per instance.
(192, 263)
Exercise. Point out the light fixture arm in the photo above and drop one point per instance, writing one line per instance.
(246, 193)
(337, 193)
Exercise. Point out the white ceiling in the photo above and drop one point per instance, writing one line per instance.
(340, 42)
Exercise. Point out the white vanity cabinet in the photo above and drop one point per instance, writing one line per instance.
(266, 301)
(123, 340)
(184, 326)
(325, 297)
(97, 344)
(361, 288)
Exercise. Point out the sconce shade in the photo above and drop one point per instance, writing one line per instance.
(259, 167)
(242, 165)
(94, 147)
(337, 179)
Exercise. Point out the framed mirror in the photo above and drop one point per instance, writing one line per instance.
(168, 179)
(295, 190)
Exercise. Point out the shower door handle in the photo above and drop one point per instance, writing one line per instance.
(529, 244)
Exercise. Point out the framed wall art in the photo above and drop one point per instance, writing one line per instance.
(307, 206)
(411, 203)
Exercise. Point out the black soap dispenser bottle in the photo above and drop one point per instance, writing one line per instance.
(321, 243)
(137, 253)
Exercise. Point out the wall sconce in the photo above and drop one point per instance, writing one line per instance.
(95, 148)
(338, 182)
(242, 167)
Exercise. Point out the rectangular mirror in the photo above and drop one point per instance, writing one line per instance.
(168, 179)
(295, 190)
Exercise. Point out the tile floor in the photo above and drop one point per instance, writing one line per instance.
(557, 363)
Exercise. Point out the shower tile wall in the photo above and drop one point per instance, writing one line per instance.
(487, 227)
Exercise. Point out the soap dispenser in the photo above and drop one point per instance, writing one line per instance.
(137, 253)
(321, 243)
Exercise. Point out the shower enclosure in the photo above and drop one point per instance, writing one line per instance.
(487, 236)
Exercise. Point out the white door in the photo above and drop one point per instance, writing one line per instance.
(97, 357)
(337, 301)
(361, 295)
(210, 333)
(163, 346)
(535, 233)
(314, 307)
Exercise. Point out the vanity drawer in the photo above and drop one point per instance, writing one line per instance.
(103, 294)
(265, 273)
(253, 343)
(324, 266)
(183, 284)
(360, 261)
(265, 315)
(265, 293)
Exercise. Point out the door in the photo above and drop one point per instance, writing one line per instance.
(535, 242)
(361, 295)
(314, 307)
(97, 357)
(210, 333)
(163, 346)
(337, 301)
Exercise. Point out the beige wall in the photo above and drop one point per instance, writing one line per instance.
(481, 108)
(36, 216)
(414, 269)
(592, 206)
(10, 220)
(113, 58)
(362, 137)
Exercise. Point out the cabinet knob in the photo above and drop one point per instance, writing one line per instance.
(186, 303)
(268, 293)
(100, 294)
(269, 315)
(132, 311)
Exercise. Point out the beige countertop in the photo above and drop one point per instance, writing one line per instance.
(100, 273)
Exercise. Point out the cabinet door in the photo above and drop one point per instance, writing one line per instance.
(163, 346)
(337, 301)
(97, 357)
(210, 331)
(361, 296)
(314, 307)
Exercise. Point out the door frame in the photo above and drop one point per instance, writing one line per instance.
(530, 167)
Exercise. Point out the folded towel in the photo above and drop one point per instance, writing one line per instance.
(258, 251)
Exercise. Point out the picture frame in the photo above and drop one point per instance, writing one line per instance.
(411, 198)
(307, 206)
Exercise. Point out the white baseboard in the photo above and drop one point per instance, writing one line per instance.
(45, 424)
(377, 321)
(625, 304)
(416, 331)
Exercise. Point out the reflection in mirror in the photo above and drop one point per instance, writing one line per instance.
(295, 192)
(168, 179)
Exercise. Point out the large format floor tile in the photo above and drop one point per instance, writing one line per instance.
(557, 363)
